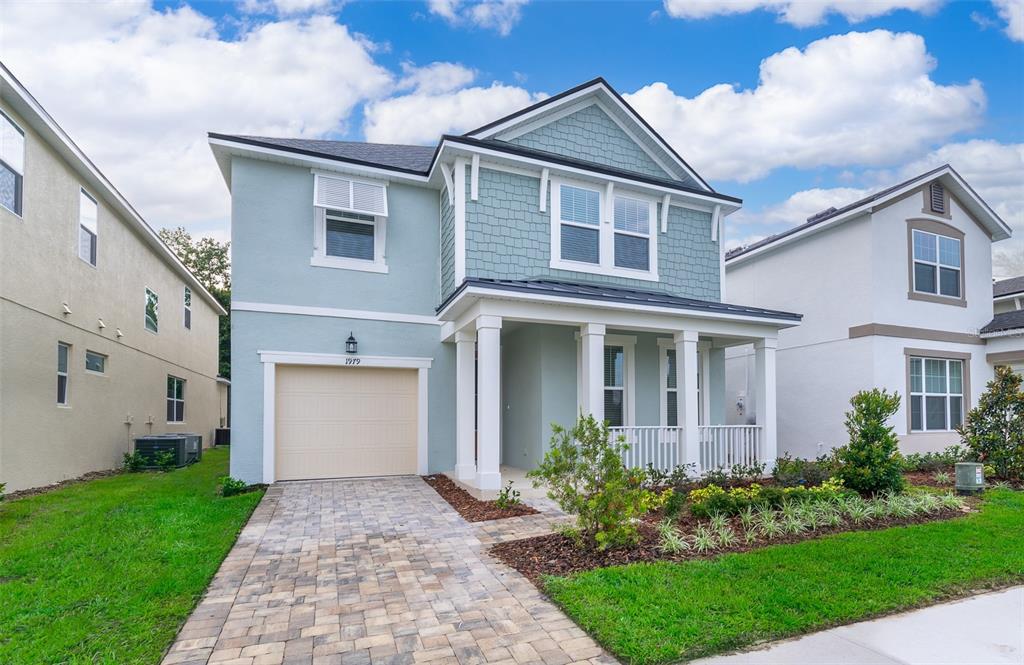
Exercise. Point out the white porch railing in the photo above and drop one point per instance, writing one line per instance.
(721, 446)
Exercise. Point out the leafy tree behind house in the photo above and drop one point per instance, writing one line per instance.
(210, 262)
(994, 430)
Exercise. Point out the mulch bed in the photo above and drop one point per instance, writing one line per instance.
(33, 491)
(927, 478)
(471, 508)
(557, 554)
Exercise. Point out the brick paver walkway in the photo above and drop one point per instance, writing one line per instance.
(375, 571)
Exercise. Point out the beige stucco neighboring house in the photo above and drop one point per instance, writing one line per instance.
(104, 334)
(1004, 334)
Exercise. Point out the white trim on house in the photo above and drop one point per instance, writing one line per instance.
(25, 105)
(606, 232)
(271, 359)
(628, 344)
(333, 312)
(1013, 332)
(666, 344)
(459, 176)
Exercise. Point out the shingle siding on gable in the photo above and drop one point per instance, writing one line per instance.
(447, 245)
(507, 237)
(589, 134)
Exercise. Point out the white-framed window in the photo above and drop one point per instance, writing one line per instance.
(95, 362)
(937, 265)
(152, 311)
(350, 225)
(88, 229)
(619, 378)
(63, 358)
(187, 302)
(588, 237)
(670, 389)
(936, 394)
(12, 165)
(175, 399)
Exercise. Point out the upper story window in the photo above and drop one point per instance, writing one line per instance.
(937, 264)
(937, 198)
(350, 227)
(586, 237)
(188, 308)
(88, 232)
(152, 311)
(12, 164)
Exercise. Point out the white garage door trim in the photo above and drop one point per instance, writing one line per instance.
(271, 359)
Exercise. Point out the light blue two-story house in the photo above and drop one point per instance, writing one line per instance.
(421, 309)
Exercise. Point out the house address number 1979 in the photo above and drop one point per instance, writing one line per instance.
(352, 361)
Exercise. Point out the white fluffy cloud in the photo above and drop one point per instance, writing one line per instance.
(1012, 11)
(798, 207)
(437, 77)
(423, 115)
(498, 15)
(801, 13)
(855, 99)
(138, 89)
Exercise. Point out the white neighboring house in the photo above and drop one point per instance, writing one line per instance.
(1004, 334)
(895, 289)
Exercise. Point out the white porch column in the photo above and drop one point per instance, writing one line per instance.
(686, 382)
(764, 363)
(592, 369)
(488, 339)
(465, 405)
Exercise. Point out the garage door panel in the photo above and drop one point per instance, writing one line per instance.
(342, 422)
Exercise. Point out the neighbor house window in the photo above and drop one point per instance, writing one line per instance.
(587, 237)
(12, 164)
(188, 308)
(614, 385)
(175, 399)
(632, 233)
(88, 212)
(579, 215)
(63, 354)
(937, 264)
(936, 394)
(350, 224)
(95, 362)
(152, 311)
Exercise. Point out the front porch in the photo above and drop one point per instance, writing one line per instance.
(657, 377)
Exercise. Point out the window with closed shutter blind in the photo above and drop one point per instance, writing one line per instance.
(344, 194)
(350, 224)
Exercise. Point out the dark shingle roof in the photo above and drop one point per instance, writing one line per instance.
(1006, 321)
(1006, 287)
(411, 158)
(616, 294)
(826, 215)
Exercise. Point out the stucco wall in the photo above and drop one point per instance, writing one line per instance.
(507, 237)
(589, 134)
(41, 442)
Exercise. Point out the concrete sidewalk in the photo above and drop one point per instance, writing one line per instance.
(985, 629)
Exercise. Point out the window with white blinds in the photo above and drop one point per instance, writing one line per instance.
(88, 230)
(588, 237)
(338, 193)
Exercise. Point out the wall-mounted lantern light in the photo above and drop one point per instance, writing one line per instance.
(351, 345)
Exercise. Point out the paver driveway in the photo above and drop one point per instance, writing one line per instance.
(375, 571)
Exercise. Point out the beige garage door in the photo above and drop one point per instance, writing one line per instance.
(337, 422)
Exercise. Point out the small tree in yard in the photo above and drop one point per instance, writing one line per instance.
(584, 474)
(994, 430)
(871, 461)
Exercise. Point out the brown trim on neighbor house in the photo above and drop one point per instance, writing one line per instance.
(909, 353)
(886, 330)
(943, 229)
(1005, 357)
(926, 208)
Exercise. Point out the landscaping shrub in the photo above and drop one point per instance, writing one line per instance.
(133, 461)
(715, 500)
(871, 461)
(584, 474)
(508, 497)
(794, 471)
(932, 462)
(231, 486)
(165, 459)
(994, 430)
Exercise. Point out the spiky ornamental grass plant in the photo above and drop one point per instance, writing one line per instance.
(704, 541)
(726, 536)
(871, 461)
(718, 522)
(769, 526)
(671, 541)
(747, 517)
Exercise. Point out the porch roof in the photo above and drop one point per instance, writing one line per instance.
(614, 294)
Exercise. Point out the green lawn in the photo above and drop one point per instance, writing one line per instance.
(656, 613)
(108, 570)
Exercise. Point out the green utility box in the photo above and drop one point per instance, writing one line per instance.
(970, 477)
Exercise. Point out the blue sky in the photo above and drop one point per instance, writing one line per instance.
(950, 87)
